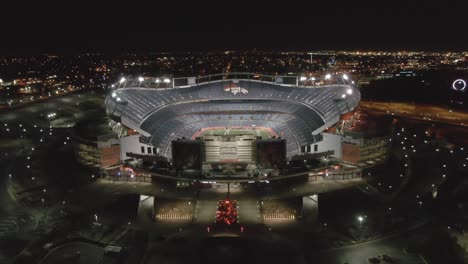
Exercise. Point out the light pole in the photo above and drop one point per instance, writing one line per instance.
(360, 219)
(311, 58)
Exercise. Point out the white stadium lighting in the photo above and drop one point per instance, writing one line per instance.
(349, 91)
(312, 78)
(303, 78)
(122, 80)
(114, 94)
(345, 77)
(118, 99)
(166, 80)
(157, 80)
(328, 77)
(343, 96)
(140, 79)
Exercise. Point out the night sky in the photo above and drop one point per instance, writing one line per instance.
(117, 27)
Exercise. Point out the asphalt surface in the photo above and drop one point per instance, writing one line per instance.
(205, 212)
(360, 253)
(75, 252)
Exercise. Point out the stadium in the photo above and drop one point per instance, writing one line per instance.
(217, 117)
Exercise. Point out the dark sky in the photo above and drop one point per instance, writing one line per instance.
(128, 26)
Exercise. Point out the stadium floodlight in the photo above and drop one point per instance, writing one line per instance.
(140, 79)
(343, 96)
(303, 78)
(118, 99)
(349, 91)
(345, 77)
(312, 78)
(114, 94)
(166, 80)
(328, 77)
(157, 80)
(122, 80)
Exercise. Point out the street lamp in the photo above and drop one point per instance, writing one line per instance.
(360, 219)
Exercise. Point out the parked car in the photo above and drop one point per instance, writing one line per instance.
(386, 258)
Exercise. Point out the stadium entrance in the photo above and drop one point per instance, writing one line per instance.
(230, 152)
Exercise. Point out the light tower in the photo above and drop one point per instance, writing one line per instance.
(311, 57)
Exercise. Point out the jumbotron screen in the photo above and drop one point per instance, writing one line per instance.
(187, 154)
(271, 153)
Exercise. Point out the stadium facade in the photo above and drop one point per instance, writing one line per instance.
(294, 108)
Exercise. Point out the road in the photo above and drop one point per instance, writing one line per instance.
(420, 112)
(248, 211)
(68, 253)
(155, 189)
(205, 212)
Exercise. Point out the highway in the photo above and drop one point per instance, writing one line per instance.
(420, 112)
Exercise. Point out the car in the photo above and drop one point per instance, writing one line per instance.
(386, 258)
(114, 251)
(373, 260)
